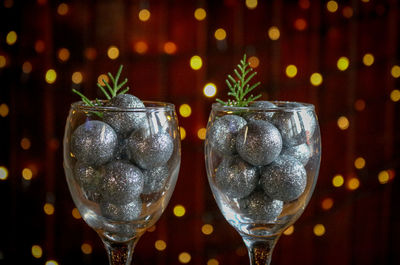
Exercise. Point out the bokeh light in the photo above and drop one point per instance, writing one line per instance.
(26, 67)
(185, 110)
(170, 47)
(113, 52)
(220, 34)
(63, 54)
(368, 59)
(319, 230)
(316, 79)
(48, 208)
(327, 204)
(291, 70)
(337, 181)
(101, 78)
(160, 245)
(76, 214)
(359, 163)
(274, 33)
(11, 38)
(37, 251)
(8, 3)
(4, 110)
(289, 231)
(210, 90)
(3, 61)
(27, 174)
(51, 262)
(343, 123)
(77, 78)
(200, 14)
(332, 6)
(254, 62)
(212, 262)
(251, 4)
(304, 4)
(201, 133)
(343, 63)
(62, 9)
(359, 105)
(3, 173)
(353, 183)
(207, 229)
(347, 11)
(144, 15)
(90, 53)
(395, 71)
(141, 47)
(184, 257)
(182, 132)
(86, 248)
(179, 210)
(51, 76)
(395, 95)
(300, 24)
(196, 62)
(40, 46)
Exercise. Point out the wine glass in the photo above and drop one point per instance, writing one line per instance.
(262, 163)
(121, 166)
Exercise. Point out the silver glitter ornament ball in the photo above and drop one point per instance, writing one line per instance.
(235, 177)
(260, 115)
(301, 152)
(222, 133)
(284, 179)
(258, 206)
(259, 142)
(149, 150)
(90, 180)
(126, 212)
(94, 142)
(155, 179)
(124, 122)
(122, 182)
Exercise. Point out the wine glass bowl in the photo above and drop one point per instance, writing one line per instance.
(121, 166)
(262, 163)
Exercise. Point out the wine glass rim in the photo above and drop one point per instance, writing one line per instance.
(149, 106)
(279, 106)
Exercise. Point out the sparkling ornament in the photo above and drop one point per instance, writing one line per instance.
(124, 122)
(94, 142)
(122, 150)
(259, 142)
(89, 179)
(125, 212)
(222, 134)
(284, 179)
(235, 177)
(154, 179)
(150, 150)
(260, 115)
(300, 152)
(258, 206)
(122, 182)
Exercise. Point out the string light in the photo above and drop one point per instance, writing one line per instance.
(141, 47)
(274, 33)
(353, 183)
(160, 245)
(319, 230)
(251, 4)
(347, 12)
(254, 62)
(212, 262)
(11, 38)
(3, 173)
(3, 61)
(342, 63)
(316, 79)
(170, 47)
(185, 110)
(201, 133)
(179, 210)
(76, 214)
(101, 78)
(368, 59)
(184, 257)
(200, 14)
(86, 248)
(4, 110)
(220, 34)
(327, 204)
(51, 76)
(77, 78)
(359, 163)
(182, 132)
(113, 52)
(359, 105)
(48, 208)
(27, 174)
(300, 24)
(63, 54)
(144, 15)
(291, 70)
(332, 6)
(207, 229)
(343, 123)
(210, 90)
(395, 95)
(62, 9)
(289, 231)
(196, 62)
(395, 71)
(51, 262)
(40, 46)
(26, 67)
(37, 251)
(337, 181)
(383, 177)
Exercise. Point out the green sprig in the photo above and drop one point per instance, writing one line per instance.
(239, 88)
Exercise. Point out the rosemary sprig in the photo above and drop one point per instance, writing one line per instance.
(240, 87)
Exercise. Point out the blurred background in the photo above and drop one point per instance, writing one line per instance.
(342, 56)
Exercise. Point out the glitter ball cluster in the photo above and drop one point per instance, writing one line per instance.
(264, 151)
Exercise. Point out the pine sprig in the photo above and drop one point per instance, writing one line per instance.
(239, 88)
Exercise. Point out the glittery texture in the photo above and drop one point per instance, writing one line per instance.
(259, 142)
(150, 150)
(122, 182)
(300, 152)
(235, 177)
(122, 150)
(94, 143)
(89, 179)
(154, 179)
(284, 179)
(260, 115)
(258, 206)
(222, 133)
(125, 212)
(124, 122)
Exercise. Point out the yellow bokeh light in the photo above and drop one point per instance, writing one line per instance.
(383, 177)
(185, 110)
(289, 230)
(220, 34)
(368, 59)
(337, 181)
(51, 262)
(141, 47)
(37, 251)
(170, 47)
(200, 14)
(212, 262)
(184, 257)
(332, 6)
(291, 70)
(144, 15)
(3, 61)
(327, 203)
(343, 63)
(113, 52)
(395, 95)
(11, 38)
(101, 78)
(395, 71)
(210, 90)
(3, 173)
(179, 210)
(319, 230)
(27, 174)
(48, 208)
(254, 62)
(77, 78)
(4, 110)
(359, 105)
(347, 12)
(201, 133)
(76, 214)
(196, 62)
(25, 143)
(365, 1)
(251, 4)
(274, 33)
(160, 245)
(26, 67)
(86, 248)
(316, 79)
(353, 183)
(51, 76)
(207, 229)
(343, 123)
(182, 132)
(62, 9)
(359, 163)
(63, 54)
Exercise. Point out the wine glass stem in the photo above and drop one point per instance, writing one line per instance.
(120, 253)
(260, 249)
